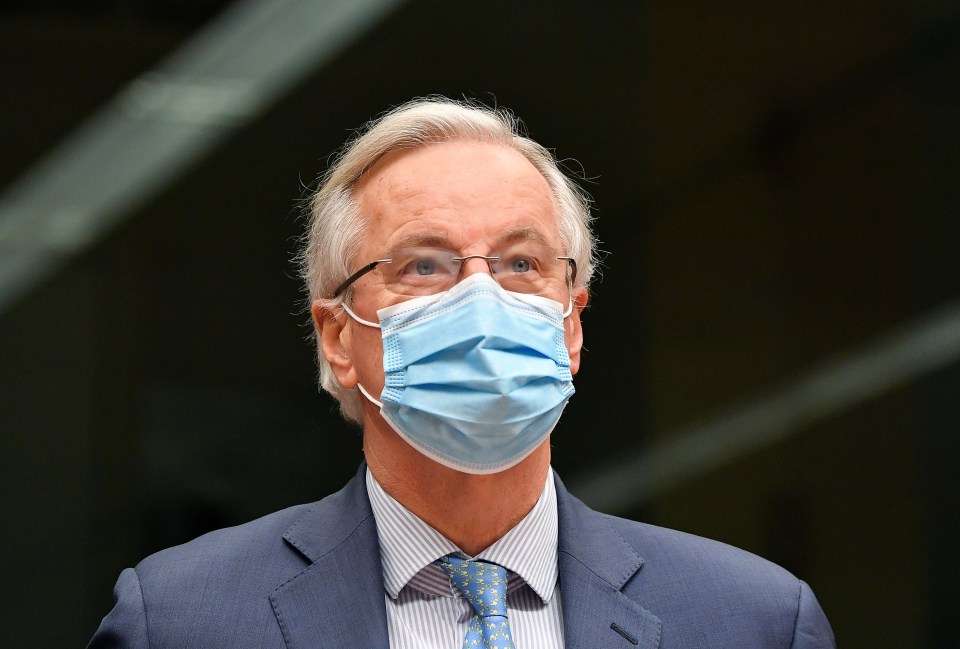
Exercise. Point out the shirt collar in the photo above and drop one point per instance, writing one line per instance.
(409, 546)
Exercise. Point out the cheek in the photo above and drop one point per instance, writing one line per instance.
(367, 353)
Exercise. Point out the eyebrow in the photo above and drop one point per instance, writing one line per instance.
(433, 240)
(525, 233)
(423, 241)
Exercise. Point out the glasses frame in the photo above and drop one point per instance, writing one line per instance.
(373, 264)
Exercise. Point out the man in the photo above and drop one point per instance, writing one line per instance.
(448, 261)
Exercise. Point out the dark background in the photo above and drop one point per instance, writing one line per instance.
(776, 186)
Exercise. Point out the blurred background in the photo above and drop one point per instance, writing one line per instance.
(771, 350)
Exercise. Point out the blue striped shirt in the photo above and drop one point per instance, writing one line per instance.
(425, 611)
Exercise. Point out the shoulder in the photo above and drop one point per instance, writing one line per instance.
(235, 553)
(666, 557)
(661, 553)
(212, 591)
(701, 589)
(703, 592)
(215, 590)
(258, 553)
(706, 562)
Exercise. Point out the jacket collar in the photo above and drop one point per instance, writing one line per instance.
(595, 563)
(319, 607)
(337, 601)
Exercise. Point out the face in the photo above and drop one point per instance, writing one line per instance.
(469, 197)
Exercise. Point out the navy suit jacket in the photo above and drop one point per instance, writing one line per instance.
(310, 576)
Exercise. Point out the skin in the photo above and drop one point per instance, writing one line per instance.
(472, 195)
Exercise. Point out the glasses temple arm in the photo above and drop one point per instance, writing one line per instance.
(357, 275)
(573, 265)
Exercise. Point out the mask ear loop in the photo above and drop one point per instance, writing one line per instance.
(375, 325)
(569, 295)
(358, 318)
(364, 392)
(570, 281)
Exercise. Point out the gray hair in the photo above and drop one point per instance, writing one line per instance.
(335, 228)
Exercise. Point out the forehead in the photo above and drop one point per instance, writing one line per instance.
(460, 194)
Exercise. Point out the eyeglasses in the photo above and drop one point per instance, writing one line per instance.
(523, 268)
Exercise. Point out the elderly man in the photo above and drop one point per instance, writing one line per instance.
(448, 261)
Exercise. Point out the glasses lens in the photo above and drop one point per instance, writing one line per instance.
(532, 269)
(420, 271)
(523, 268)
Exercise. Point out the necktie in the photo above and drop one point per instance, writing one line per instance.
(484, 585)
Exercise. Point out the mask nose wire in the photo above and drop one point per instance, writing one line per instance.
(463, 263)
(376, 325)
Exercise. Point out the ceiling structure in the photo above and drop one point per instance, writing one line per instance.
(156, 126)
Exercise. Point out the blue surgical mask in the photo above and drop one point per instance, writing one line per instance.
(475, 377)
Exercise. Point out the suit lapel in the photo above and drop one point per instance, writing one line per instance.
(338, 600)
(595, 563)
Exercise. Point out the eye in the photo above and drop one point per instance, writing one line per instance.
(520, 264)
(425, 266)
(414, 264)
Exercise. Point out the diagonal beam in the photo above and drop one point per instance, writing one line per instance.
(162, 122)
(892, 361)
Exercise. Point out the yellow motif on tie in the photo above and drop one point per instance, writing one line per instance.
(484, 585)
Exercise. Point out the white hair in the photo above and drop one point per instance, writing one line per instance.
(336, 228)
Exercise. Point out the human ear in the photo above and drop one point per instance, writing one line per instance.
(333, 338)
(573, 330)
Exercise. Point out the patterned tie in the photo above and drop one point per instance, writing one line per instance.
(484, 585)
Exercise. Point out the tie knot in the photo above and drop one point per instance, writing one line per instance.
(482, 583)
